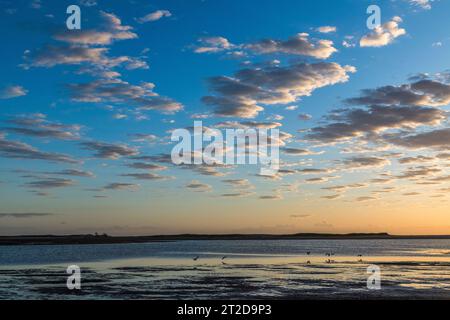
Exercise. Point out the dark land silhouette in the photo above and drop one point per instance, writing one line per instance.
(106, 239)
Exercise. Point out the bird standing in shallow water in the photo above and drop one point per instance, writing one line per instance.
(196, 258)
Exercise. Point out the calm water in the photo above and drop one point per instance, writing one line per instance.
(279, 269)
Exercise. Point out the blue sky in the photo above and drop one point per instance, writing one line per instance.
(68, 142)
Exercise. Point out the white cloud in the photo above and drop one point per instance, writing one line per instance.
(242, 94)
(424, 4)
(299, 44)
(365, 162)
(13, 92)
(212, 44)
(154, 16)
(384, 34)
(20, 150)
(349, 42)
(247, 125)
(54, 55)
(197, 186)
(437, 139)
(36, 125)
(36, 4)
(326, 29)
(111, 30)
(115, 90)
(88, 3)
(109, 150)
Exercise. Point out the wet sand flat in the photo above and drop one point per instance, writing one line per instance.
(237, 278)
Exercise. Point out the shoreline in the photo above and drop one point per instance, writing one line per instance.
(189, 280)
(105, 239)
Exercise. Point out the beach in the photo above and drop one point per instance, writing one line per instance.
(282, 269)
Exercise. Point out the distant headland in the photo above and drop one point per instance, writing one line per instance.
(106, 239)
